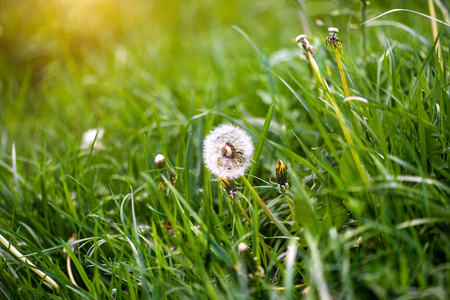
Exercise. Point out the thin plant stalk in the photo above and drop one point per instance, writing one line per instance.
(343, 79)
(26, 261)
(265, 208)
(303, 17)
(297, 286)
(363, 26)
(290, 207)
(316, 268)
(345, 130)
(74, 248)
(341, 72)
(434, 29)
(69, 270)
(261, 238)
(244, 213)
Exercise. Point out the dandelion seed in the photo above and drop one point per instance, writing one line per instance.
(89, 137)
(227, 151)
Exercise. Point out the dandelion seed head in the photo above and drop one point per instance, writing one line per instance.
(160, 160)
(242, 247)
(227, 151)
(89, 137)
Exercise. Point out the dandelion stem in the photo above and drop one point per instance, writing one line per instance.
(290, 207)
(265, 208)
(340, 117)
(260, 237)
(244, 213)
(341, 72)
(282, 288)
(344, 81)
(26, 261)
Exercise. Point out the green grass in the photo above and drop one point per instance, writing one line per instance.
(158, 76)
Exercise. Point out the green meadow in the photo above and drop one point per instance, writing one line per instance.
(346, 191)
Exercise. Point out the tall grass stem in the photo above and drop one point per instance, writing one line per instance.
(19, 255)
(340, 117)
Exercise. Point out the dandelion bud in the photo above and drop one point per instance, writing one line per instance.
(281, 172)
(160, 161)
(332, 39)
(227, 151)
(228, 185)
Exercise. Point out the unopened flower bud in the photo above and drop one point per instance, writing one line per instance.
(228, 185)
(281, 172)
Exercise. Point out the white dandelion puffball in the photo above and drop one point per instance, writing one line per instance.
(160, 160)
(89, 137)
(227, 151)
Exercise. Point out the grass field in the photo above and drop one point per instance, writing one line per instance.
(363, 131)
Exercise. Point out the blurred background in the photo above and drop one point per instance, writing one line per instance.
(67, 66)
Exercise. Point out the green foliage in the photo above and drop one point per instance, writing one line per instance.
(157, 77)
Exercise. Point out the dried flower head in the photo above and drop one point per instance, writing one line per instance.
(305, 46)
(227, 151)
(332, 39)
